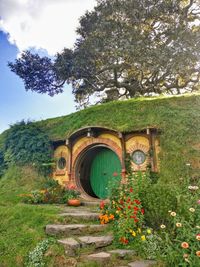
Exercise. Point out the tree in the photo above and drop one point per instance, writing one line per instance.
(126, 48)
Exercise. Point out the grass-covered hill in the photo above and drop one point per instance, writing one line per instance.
(178, 118)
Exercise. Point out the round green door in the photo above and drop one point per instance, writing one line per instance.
(105, 169)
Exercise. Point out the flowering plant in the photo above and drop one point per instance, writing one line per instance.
(71, 192)
(182, 241)
(126, 210)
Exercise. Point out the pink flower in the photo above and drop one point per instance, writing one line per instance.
(198, 201)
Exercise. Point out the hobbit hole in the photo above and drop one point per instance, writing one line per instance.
(93, 157)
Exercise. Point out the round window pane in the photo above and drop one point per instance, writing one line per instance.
(61, 163)
(138, 157)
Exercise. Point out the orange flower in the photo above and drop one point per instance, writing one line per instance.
(111, 217)
(198, 253)
(184, 245)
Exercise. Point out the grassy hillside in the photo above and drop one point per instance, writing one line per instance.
(22, 225)
(177, 117)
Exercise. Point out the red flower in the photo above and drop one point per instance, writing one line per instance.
(71, 187)
(137, 201)
(102, 205)
(136, 220)
(142, 211)
(131, 190)
(121, 201)
(136, 208)
(128, 200)
(135, 212)
(129, 207)
(124, 240)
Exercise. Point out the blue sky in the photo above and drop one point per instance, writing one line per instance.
(25, 24)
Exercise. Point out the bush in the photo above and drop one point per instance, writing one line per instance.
(158, 200)
(26, 144)
(2, 163)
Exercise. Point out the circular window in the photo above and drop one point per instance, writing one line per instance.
(61, 163)
(138, 157)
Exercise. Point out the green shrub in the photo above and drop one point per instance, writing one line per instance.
(158, 199)
(2, 163)
(26, 144)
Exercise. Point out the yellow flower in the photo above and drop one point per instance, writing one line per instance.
(173, 213)
(133, 233)
(178, 224)
(143, 238)
(191, 209)
(198, 237)
(149, 231)
(139, 230)
(162, 226)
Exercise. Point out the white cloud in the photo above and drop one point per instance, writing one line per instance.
(42, 24)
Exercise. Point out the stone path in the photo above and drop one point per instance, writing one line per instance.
(75, 238)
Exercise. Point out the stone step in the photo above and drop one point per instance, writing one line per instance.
(71, 245)
(142, 263)
(101, 257)
(77, 209)
(73, 229)
(83, 215)
(121, 253)
(96, 241)
(90, 203)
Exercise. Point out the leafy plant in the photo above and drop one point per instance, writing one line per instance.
(2, 163)
(182, 242)
(157, 200)
(52, 192)
(126, 211)
(36, 257)
(71, 192)
(26, 144)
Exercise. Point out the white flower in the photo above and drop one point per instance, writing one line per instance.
(193, 187)
(162, 226)
(173, 213)
(191, 209)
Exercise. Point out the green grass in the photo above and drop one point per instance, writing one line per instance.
(21, 225)
(178, 118)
